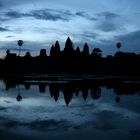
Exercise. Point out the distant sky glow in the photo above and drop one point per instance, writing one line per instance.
(41, 22)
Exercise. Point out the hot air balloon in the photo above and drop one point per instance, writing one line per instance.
(118, 45)
(20, 43)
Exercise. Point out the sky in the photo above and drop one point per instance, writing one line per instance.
(39, 23)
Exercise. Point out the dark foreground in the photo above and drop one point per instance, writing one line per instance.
(66, 107)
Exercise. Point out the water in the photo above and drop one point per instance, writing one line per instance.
(69, 109)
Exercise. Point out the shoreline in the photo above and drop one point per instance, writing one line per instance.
(66, 76)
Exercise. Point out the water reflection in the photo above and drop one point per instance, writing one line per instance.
(86, 88)
(96, 108)
(117, 99)
(19, 97)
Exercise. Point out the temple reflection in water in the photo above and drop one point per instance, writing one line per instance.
(87, 88)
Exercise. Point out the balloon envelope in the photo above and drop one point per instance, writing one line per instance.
(20, 42)
(19, 98)
(119, 45)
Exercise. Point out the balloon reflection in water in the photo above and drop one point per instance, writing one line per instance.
(19, 97)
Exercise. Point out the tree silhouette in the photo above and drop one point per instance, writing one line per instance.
(7, 52)
(96, 52)
(27, 55)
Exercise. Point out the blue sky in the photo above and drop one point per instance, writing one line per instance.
(41, 22)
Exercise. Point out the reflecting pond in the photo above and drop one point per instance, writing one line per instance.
(69, 109)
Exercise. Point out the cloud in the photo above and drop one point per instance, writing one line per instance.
(130, 41)
(107, 22)
(3, 29)
(51, 14)
(133, 36)
(42, 14)
(31, 46)
(16, 49)
(107, 27)
(10, 4)
(3, 109)
(39, 125)
(1, 5)
(14, 14)
(10, 36)
(90, 35)
(47, 14)
(85, 15)
(108, 120)
(13, 47)
(108, 15)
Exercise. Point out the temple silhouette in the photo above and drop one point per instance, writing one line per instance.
(71, 60)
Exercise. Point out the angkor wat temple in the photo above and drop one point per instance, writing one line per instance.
(73, 61)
